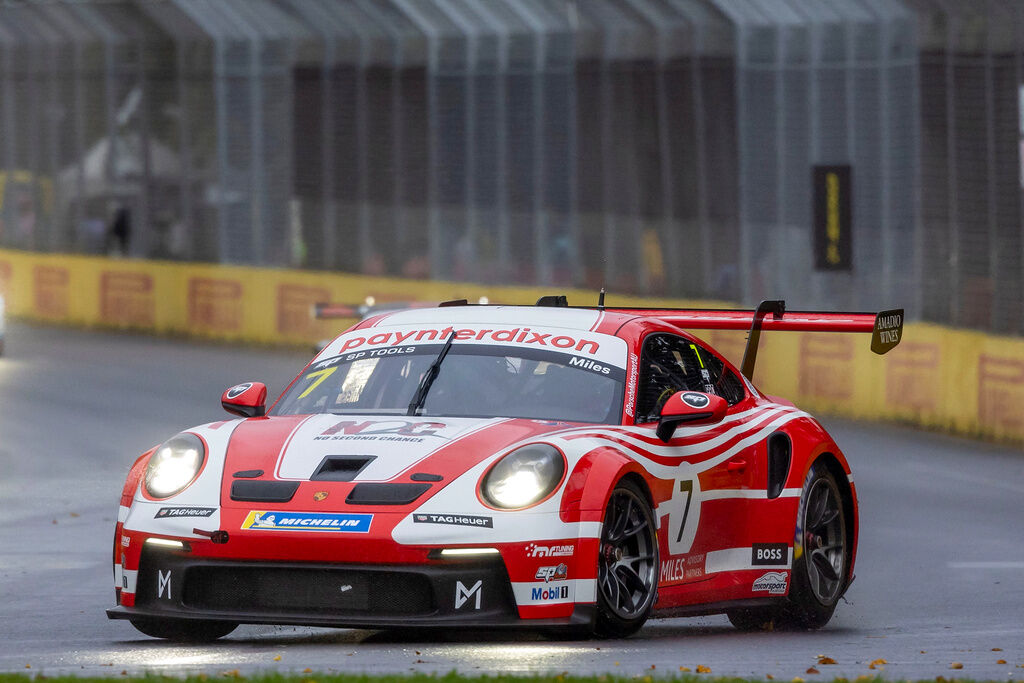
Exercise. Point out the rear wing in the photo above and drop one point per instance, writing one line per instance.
(886, 327)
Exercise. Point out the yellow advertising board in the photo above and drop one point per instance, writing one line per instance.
(955, 380)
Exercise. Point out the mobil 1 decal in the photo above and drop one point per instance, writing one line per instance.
(683, 511)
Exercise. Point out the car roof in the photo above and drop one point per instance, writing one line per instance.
(540, 316)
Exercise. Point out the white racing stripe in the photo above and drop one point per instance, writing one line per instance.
(753, 494)
(122, 512)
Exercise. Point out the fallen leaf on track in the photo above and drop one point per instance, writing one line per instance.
(956, 665)
(701, 669)
(812, 670)
(822, 659)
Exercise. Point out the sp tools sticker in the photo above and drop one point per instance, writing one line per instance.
(769, 554)
(183, 512)
(556, 573)
(307, 521)
(460, 520)
(773, 582)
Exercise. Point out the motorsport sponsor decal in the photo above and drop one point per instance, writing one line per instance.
(546, 593)
(307, 521)
(184, 512)
(320, 495)
(556, 573)
(769, 554)
(773, 582)
(695, 399)
(381, 430)
(534, 550)
(458, 520)
(126, 541)
(682, 568)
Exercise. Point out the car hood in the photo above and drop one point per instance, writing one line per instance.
(296, 448)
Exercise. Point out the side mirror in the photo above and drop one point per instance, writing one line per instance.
(248, 399)
(689, 407)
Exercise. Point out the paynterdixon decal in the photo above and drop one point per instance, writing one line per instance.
(307, 521)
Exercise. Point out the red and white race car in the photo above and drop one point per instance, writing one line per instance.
(546, 467)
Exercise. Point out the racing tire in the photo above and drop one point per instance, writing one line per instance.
(627, 563)
(821, 561)
(184, 630)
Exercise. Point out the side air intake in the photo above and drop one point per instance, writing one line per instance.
(780, 450)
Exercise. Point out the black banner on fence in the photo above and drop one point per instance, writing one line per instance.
(833, 218)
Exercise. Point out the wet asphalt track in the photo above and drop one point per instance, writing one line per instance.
(940, 571)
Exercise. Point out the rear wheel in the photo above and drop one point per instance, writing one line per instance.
(627, 563)
(184, 630)
(821, 561)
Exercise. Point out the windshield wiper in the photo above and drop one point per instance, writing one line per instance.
(429, 377)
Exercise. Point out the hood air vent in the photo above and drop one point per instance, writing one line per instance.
(341, 467)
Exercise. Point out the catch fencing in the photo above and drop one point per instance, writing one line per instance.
(657, 147)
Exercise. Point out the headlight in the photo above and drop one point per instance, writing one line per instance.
(523, 477)
(174, 465)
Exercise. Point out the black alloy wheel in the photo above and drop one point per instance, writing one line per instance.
(627, 563)
(821, 561)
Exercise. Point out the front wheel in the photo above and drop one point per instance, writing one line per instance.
(184, 630)
(627, 563)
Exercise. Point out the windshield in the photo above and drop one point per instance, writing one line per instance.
(475, 380)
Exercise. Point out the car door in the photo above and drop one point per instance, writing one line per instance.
(703, 520)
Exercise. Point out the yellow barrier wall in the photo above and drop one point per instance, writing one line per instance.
(965, 382)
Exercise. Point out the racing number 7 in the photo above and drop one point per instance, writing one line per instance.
(320, 376)
(687, 488)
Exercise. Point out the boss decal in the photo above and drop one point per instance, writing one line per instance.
(307, 521)
(695, 399)
(184, 512)
(458, 520)
(769, 554)
(238, 390)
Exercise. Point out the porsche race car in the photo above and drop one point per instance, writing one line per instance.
(564, 469)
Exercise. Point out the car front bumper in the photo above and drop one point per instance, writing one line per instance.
(475, 592)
